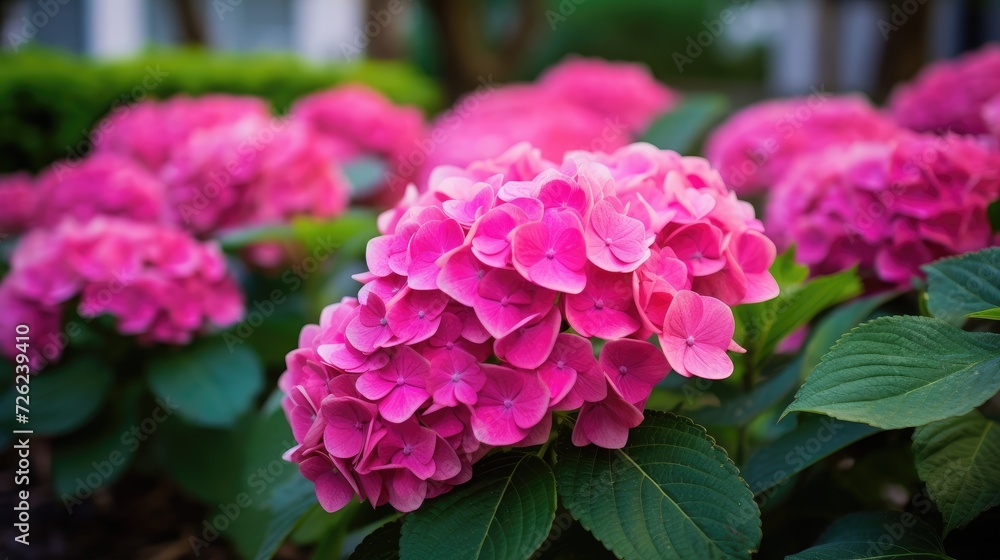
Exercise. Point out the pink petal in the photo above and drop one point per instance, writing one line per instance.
(461, 274)
(432, 240)
(528, 346)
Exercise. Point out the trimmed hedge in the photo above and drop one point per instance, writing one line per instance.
(49, 101)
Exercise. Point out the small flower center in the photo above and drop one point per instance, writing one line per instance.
(400, 380)
(383, 322)
(561, 364)
(480, 274)
(507, 403)
(550, 254)
(358, 425)
(504, 300)
(449, 345)
(697, 255)
(622, 370)
(690, 341)
(420, 314)
(407, 449)
(456, 377)
(599, 304)
(608, 241)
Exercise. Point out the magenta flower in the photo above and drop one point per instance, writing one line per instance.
(509, 405)
(158, 283)
(458, 336)
(400, 387)
(696, 334)
(950, 96)
(888, 207)
(551, 252)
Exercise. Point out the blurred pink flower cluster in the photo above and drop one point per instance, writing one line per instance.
(951, 96)
(458, 339)
(755, 148)
(887, 206)
(579, 104)
(168, 172)
(156, 281)
(848, 184)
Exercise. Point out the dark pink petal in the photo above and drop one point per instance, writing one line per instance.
(551, 253)
(415, 316)
(406, 490)
(606, 307)
(369, 330)
(346, 425)
(506, 301)
(634, 367)
(699, 245)
(455, 377)
(460, 275)
(606, 423)
(529, 346)
(432, 240)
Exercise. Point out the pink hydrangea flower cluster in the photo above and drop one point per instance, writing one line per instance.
(950, 96)
(579, 104)
(156, 281)
(475, 320)
(889, 207)
(755, 148)
(20, 198)
(224, 161)
(355, 122)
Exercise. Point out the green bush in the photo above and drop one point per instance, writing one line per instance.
(49, 101)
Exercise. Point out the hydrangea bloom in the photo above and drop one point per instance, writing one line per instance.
(252, 172)
(458, 340)
(354, 121)
(19, 202)
(150, 131)
(579, 104)
(887, 206)
(755, 148)
(949, 96)
(157, 282)
(101, 184)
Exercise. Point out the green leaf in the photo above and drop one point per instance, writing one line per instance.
(993, 213)
(671, 492)
(290, 504)
(203, 461)
(766, 324)
(837, 323)
(960, 285)
(683, 128)
(740, 409)
(991, 314)
(504, 512)
(237, 238)
(323, 238)
(380, 544)
(900, 372)
(63, 398)
(876, 535)
(211, 384)
(959, 459)
(93, 460)
(815, 438)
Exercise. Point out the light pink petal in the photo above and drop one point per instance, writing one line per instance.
(708, 362)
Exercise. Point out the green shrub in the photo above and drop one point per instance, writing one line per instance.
(49, 101)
